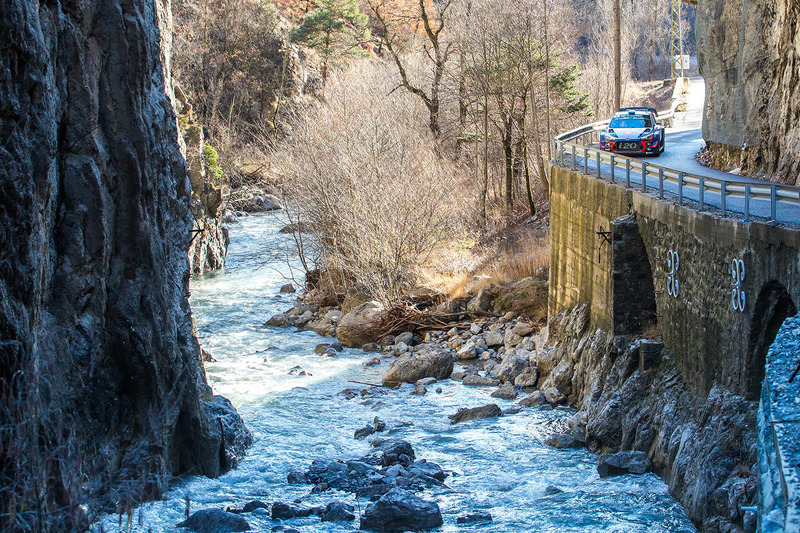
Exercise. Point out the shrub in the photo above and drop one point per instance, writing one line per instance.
(368, 181)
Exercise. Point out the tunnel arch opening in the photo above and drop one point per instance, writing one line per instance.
(773, 305)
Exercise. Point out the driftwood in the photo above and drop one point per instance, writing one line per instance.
(403, 318)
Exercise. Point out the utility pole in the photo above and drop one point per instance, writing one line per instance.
(617, 57)
(676, 38)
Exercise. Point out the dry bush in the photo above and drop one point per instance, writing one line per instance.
(366, 178)
(467, 269)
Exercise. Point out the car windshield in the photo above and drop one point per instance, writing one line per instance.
(631, 122)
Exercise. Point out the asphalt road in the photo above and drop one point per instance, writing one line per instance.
(684, 141)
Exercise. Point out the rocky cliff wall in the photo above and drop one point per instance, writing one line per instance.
(103, 391)
(634, 397)
(749, 56)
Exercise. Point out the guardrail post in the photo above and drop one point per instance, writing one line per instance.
(723, 193)
(562, 155)
(644, 176)
(773, 202)
(613, 166)
(746, 203)
(627, 172)
(661, 183)
(555, 145)
(702, 193)
(680, 188)
(585, 160)
(574, 167)
(598, 164)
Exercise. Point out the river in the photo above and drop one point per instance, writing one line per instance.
(501, 466)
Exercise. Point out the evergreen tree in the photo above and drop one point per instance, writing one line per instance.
(336, 28)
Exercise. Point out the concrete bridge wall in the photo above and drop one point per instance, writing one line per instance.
(711, 340)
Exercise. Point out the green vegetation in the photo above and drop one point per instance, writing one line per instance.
(213, 170)
(335, 29)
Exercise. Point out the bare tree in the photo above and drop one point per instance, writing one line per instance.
(434, 21)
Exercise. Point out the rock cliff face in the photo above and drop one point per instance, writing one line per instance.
(749, 56)
(209, 242)
(101, 383)
(631, 397)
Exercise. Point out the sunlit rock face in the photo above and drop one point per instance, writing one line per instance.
(748, 55)
(97, 355)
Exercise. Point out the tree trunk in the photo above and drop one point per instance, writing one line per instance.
(617, 57)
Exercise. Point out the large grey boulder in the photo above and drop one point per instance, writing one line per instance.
(400, 510)
(358, 327)
(620, 463)
(511, 367)
(411, 367)
(215, 521)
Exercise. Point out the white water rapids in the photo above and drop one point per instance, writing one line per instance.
(501, 465)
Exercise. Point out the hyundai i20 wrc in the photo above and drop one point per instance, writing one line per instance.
(634, 131)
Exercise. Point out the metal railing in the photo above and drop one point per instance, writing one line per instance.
(652, 177)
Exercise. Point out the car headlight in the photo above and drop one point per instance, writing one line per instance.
(610, 138)
(648, 138)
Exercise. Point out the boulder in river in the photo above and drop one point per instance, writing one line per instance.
(412, 367)
(285, 511)
(215, 521)
(535, 399)
(357, 327)
(337, 511)
(511, 367)
(564, 440)
(620, 463)
(279, 321)
(400, 510)
(476, 380)
(471, 518)
(487, 411)
(505, 391)
(288, 288)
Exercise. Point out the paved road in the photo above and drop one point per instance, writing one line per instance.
(684, 141)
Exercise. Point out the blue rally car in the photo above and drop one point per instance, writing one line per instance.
(632, 131)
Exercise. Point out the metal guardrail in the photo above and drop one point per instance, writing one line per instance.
(654, 177)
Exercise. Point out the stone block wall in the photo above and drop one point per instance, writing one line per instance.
(710, 339)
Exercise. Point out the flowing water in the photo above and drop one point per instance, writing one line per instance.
(500, 466)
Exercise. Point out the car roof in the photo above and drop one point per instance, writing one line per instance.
(635, 111)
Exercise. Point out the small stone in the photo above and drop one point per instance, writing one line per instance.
(475, 380)
(475, 329)
(474, 517)
(279, 321)
(562, 441)
(467, 352)
(491, 410)
(505, 392)
(215, 520)
(372, 362)
(420, 390)
(535, 399)
(523, 329)
(288, 288)
(620, 463)
(452, 332)
(371, 347)
(438, 390)
(494, 338)
(406, 337)
(554, 396)
(401, 347)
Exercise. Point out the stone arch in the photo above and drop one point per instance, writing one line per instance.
(773, 305)
(633, 292)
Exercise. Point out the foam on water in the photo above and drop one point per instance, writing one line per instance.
(500, 466)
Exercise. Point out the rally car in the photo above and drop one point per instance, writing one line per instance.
(634, 130)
